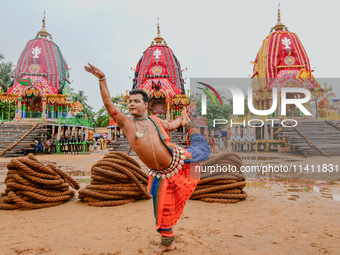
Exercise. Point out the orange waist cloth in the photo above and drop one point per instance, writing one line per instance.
(170, 196)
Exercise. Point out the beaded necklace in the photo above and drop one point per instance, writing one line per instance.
(140, 135)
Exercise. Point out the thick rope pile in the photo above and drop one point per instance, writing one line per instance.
(219, 186)
(117, 179)
(33, 185)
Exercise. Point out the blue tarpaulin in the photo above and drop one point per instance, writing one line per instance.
(224, 133)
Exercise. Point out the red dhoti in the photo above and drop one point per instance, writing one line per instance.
(172, 187)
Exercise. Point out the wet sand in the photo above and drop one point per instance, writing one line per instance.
(272, 220)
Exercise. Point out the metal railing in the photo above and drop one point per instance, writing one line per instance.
(61, 120)
(75, 121)
(247, 118)
(331, 116)
(201, 121)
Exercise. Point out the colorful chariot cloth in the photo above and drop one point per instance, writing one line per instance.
(172, 187)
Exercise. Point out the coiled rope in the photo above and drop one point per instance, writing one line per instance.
(117, 179)
(33, 185)
(224, 185)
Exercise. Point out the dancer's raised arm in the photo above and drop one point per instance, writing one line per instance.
(105, 93)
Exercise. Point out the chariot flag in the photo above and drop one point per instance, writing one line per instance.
(25, 82)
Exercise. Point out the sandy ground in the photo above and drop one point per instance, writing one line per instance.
(270, 221)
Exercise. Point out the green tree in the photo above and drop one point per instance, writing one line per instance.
(224, 111)
(6, 72)
(4, 108)
(88, 110)
(82, 98)
(216, 111)
(102, 116)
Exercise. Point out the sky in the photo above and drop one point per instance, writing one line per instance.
(213, 39)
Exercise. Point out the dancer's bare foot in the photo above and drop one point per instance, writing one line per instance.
(186, 118)
(162, 248)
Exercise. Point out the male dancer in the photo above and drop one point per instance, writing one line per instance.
(169, 182)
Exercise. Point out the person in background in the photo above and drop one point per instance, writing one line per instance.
(47, 145)
(53, 145)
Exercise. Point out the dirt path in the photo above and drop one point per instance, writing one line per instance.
(268, 222)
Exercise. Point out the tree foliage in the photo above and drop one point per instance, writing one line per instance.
(6, 73)
(82, 98)
(224, 111)
(215, 111)
(102, 116)
(4, 108)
